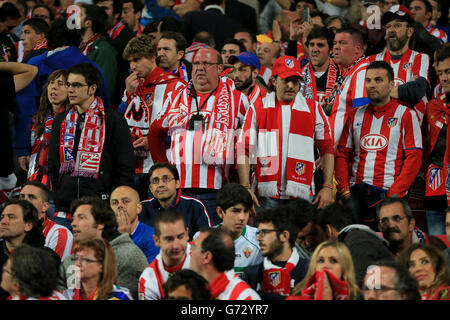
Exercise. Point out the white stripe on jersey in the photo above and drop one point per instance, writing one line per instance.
(246, 293)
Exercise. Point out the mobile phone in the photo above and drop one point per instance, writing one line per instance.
(306, 15)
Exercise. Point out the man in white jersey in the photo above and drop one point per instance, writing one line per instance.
(171, 236)
(57, 237)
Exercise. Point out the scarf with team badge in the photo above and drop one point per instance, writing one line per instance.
(300, 150)
(90, 146)
(277, 279)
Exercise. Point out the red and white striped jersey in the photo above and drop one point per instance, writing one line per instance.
(257, 93)
(438, 33)
(228, 286)
(351, 94)
(438, 92)
(412, 64)
(188, 146)
(265, 73)
(58, 238)
(382, 147)
(143, 107)
(156, 274)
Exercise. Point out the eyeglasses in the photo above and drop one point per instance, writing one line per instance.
(377, 291)
(264, 232)
(165, 179)
(203, 64)
(396, 218)
(75, 85)
(83, 260)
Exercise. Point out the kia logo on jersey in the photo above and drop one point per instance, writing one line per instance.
(373, 142)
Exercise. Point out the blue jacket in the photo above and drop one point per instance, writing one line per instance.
(27, 100)
(194, 212)
(143, 238)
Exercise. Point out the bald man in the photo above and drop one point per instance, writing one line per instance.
(126, 205)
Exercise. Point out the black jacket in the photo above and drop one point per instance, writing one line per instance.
(117, 163)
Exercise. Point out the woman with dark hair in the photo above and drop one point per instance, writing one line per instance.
(53, 101)
(429, 267)
(98, 274)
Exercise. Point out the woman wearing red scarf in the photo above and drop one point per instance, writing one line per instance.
(53, 101)
(331, 275)
(429, 267)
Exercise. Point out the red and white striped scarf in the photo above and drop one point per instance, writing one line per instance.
(314, 286)
(90, 146)
(40, 44)
(277, 279)
(116, 30)
(85, 46)
(300, 153)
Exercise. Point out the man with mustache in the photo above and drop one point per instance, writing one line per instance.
(382, 144)
(410, 67)
(280, 137)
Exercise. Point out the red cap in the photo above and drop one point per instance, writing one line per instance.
(286, 67)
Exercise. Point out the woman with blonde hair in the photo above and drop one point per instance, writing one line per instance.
(429, 267)
(98, 273)
(330, 276)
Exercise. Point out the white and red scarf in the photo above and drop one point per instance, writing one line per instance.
(314, 286)
(300, 153)
(277, 279)
(86, 46)
(116, 30)
(90, 146)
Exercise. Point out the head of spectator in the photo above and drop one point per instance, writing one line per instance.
(205, 37)
(233, 207)
(164, 182)
(320, 46)
(286, 75)
(97, 265)
(231, 47)
(443, 67)
(9, 17)
(60, 35)
(248, 39)
(399, 28)
(54, 99)
(113, 9)
(300, 5)
(34, 30)
(379, 82)
(170, 50)
(207, 65)
(422, 11)
(276, 233)
(44, 12)
(132, 13)
(38, 195)
(170, 24)
(186, 285)
(429, 267)
(92, 219)
(19, 224)
(171, 236)
(333, 218)
(284, 18)
(84, 83)
(246, 67)
(268, 53)
(335, 258)
(389, 280)
(212, 253)
(126, 205)
(310, 234)
(335, 23)
(151, 30)
(436, 13)
(141, 53)
(396, 222)
(387, 4)
(93, 20)
(30, 272)
(348, 46)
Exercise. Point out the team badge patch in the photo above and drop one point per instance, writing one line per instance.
(275, 278)
(264, 163)
(148, 98)
(289, 63)
(407, 65)
(247, 252)
(434, 181)
(392, 122)
(300, 168)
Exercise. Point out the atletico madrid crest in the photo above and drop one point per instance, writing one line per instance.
(300, 168)
(435, 181)
(289, 63)
(275, 278)
(392, 122)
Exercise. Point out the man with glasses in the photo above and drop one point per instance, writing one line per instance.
(282, 267)
(202, 121)
(389, 280)
(397, 223)
(382, 144)
(90, 147)
(164, 185)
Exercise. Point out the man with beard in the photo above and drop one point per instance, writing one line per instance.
(282, 267)
(95, 43)
(382, 144)
(398, 225)
(410, 67)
